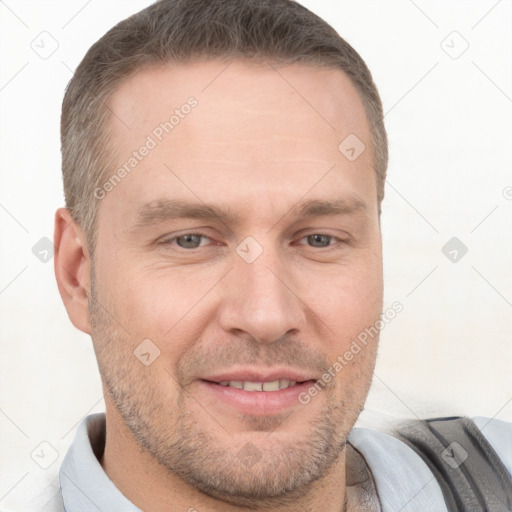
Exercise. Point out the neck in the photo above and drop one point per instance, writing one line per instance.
(153, 488)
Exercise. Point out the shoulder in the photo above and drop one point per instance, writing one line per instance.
(413, 464)
(402, 479)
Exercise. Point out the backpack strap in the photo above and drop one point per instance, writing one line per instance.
(471, 475)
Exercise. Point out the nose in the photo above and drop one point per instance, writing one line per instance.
(259, 300)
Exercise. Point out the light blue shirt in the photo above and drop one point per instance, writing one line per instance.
(403, 481)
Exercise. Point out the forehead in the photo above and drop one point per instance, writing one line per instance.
(325, 97)
(254, 131)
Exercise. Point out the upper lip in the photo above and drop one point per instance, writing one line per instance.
(260, 375)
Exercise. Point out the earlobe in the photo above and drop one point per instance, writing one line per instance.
(72, 268)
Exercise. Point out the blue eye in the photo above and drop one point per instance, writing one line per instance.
(188, 241)
(196, 240)
(319, 240)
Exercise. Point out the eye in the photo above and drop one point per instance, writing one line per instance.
(320, 240)
(187, 241)
(196, 240)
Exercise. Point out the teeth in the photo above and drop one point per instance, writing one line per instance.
(271, 386)
(274, 385)
(283, 384)
(253, 386)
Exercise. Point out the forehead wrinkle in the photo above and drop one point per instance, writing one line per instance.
(168, 209)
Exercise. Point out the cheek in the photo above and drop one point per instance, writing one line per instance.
(349, 304)
(347, 296)
(167, 306)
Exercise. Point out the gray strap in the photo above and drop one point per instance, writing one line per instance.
(470, 473)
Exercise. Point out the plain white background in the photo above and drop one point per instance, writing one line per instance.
(444, 73)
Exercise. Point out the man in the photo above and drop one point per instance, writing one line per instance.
(224, 165)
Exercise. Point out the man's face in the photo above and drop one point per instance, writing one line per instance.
(272, 291)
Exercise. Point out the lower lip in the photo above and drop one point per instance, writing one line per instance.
(257, 403)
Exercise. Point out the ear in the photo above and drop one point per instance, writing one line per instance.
(72, 268)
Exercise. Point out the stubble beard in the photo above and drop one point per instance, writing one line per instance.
(268, 472)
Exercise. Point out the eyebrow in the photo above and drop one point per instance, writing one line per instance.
(171, 209)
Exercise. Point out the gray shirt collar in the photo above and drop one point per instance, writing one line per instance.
(403, 481)
(85, 485)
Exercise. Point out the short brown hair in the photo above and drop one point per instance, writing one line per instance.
(281, 31)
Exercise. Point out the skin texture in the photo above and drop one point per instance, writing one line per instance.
(260, 142)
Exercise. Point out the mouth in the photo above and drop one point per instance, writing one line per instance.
(247, 385)
(257, 393)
